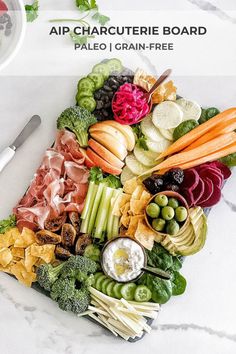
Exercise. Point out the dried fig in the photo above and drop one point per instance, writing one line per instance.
(62, 253)
(44, 237)
(68, 235)
(56, 223)
(83, 241)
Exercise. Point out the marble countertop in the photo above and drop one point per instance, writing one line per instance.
(200, 321)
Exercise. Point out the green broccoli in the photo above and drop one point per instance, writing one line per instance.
(47, 275)
(77, 120)
(78, 264)
(68, 297)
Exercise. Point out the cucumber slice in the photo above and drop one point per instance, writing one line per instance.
(114, 65)
(96, 276)
(167, 115)
(109, 289)
(104, 285)
(128, 290)
(88, 103)
(101, 69)
(117, 290)
(149, 129)
(86, 84)
(99, 281)
(136, 167)
(126, 175)
(167, 133)
(158, 146)
(142, 293)
(98, 80)
(147, 158)
(191, 109)
(84, 93)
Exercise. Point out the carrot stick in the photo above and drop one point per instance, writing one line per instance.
(222, 128)
(197, 132)
(212, 157)
(206, 149)
(203, 150)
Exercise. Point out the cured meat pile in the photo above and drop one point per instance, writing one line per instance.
(59, 185)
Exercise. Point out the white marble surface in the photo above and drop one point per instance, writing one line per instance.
(203, 320)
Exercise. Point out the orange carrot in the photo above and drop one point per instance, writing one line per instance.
(212, 146)
(212, 157)
(222, 128)
(196, 133)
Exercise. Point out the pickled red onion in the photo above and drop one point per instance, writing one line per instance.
(129, 104)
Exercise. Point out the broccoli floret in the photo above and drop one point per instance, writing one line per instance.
(63, 288)
(77, 120)
(47, 275)
(68, 297)
(80, 301)
(76, 264)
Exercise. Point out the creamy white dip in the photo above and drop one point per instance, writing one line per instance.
(123, 259)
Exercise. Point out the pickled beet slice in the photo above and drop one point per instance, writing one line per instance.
(209, 190)
(222, 167)
(212, 173)
(191, 179)
(188, 195)
(214, 199)
(3, 8)
(198, 191)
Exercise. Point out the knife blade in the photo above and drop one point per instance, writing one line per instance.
(7, 154)
(32, 124)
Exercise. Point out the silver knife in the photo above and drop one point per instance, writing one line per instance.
(7, 154)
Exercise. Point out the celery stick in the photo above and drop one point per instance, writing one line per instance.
(88, 200)
(85, 222)
(96, 205)
(101, 219)
(110, 220)
(115, 226)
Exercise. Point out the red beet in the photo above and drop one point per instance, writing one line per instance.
(191, 179)
(214, 199)
(3, 8)
(223, 168)
(208, 191)
(198, 191)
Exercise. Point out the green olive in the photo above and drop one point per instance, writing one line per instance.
(172, 227)
(173, 203)
(153, 210)
(181, 214)
(167, 213)
(158, 224)
(161, 200)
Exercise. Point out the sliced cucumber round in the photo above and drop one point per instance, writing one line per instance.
(142, 293)
(101, 69)
(147, 158)
(149, 129)
(126, 175)
(86, 84)
(88, 103)
(98, 80)
(191, 109)
(99, 282)
(104, 285)
(136, 167)
(167, 115)
(84, 93)
(117, 290)
(109, 289)
(114, 65)
(158, 146)
(128, 290)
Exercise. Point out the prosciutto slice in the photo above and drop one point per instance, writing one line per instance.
(60, 184)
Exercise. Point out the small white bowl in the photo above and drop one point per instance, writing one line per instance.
(10, 45)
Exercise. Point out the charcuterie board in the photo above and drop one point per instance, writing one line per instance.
(120, 199)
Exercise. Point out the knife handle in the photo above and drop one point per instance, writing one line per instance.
(5, 157)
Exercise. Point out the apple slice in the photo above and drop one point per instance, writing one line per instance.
(104, 165)
(105, 153)
(111, 143)
(89, 163)
(115, 133)
(126, 130)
